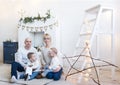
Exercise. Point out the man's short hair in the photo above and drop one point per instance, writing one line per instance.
(28, 38)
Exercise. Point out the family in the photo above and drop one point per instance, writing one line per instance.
(49, 64)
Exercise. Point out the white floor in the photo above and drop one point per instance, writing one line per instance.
(105, 79)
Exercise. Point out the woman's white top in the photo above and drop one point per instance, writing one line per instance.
(45, 59)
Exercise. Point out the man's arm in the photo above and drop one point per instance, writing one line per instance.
(19, 58)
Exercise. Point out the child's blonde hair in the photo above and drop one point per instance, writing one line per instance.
(54, 50)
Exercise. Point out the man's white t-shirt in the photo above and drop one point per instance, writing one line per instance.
(22, 55)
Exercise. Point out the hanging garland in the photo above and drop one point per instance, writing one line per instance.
(39, 18)
(38, 29)
(43, 25)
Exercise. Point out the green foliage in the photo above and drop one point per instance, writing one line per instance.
(48, 14)
(28, 19)
(31, 19)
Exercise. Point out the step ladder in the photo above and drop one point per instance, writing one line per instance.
(88, 34)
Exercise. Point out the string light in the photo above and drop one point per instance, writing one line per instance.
(89, 70)
(86, 79)
(87, 74)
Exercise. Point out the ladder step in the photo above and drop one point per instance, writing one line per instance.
(94, 9)
(78, 47)
(86, 22)
(103, 33)
(82, 34)
(92, 20)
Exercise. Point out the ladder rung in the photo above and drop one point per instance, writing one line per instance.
(85, 34)
(88, 21)
(78, 47)
(94, 9)
(107, 9)
(92, 20)
(105, 33)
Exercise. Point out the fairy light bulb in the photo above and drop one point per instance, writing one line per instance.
(89, 46)
(86, 79)
(87, 41)
(88, 65)
(89, 70)
(89, 60)
(87, 74)
(87, 53)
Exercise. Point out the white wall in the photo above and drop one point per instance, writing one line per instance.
(70, 14)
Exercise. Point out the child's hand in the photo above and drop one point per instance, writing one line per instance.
(30, 65)
(42, 69)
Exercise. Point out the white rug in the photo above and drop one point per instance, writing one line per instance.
(5, 76)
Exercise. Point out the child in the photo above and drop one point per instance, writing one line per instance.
(54, 64)
(32, 68)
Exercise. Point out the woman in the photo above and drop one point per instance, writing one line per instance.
(46, 59)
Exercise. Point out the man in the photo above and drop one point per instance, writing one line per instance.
(22, 60)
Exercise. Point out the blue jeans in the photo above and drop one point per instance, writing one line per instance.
(46, 72)
(34, 74)
(54, 75)
(15, 66)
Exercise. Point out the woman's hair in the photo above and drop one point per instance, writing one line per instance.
(46, 35)
(29, 55)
